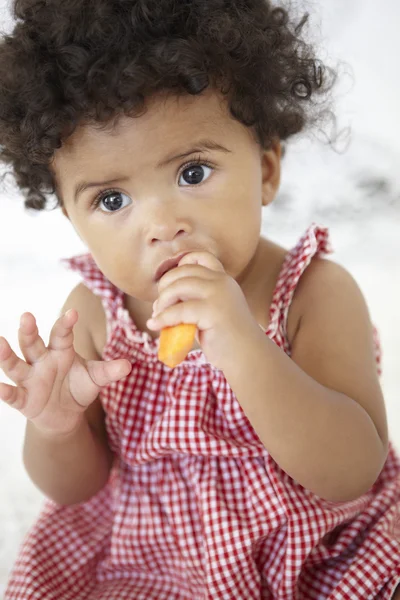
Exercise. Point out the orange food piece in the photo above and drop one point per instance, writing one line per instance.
(175, 343)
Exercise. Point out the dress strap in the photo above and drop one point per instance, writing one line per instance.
(315, 242)
(97, 282)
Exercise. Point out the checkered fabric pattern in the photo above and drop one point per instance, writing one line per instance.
(195, 507)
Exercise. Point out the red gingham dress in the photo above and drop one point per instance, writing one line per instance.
(195, 507)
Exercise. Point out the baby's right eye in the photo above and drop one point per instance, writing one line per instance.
(111, 201)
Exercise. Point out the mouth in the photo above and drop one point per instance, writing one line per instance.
(167, 265)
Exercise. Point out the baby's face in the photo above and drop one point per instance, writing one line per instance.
(184, 176)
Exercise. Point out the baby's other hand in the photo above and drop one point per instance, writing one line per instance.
(54, 385)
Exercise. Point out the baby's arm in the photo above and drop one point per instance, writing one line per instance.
(66, 453)
(320, 414)
(68, 469)
(74, 467)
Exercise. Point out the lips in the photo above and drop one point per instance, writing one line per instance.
(169, 264)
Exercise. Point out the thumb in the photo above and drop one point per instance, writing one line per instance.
(104, 372)
(205, 259)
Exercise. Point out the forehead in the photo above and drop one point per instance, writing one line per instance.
(167, 121)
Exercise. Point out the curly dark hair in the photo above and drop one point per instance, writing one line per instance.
(73, 61)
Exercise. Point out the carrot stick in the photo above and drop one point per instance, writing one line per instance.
(175, 343)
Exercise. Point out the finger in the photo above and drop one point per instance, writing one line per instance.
(13, 396)
(14, 367)
(184, 271)
(32, 346)
(104, 372)
(61, 335)
(192, 311)
(182, 290)
(205, 259)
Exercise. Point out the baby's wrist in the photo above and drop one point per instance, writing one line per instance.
(232, 348)
(57, 435)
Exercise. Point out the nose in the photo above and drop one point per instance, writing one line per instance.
(165, 224)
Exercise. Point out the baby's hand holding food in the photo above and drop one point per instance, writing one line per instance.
(200, 293)
(54, 385)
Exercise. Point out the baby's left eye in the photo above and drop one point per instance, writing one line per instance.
(195, 174)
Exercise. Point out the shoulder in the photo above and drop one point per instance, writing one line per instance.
(88, 333)
(323, 279)
(328, 302)
(324, 286)
(90, 330)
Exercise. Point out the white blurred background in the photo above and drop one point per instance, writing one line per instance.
(356, 194)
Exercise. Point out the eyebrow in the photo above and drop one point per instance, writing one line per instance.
(85, 185)
(199, 147)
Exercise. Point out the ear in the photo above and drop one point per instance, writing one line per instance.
(64, 211)
(271, 172)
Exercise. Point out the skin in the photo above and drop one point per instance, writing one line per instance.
(320, 413)
(163, 215)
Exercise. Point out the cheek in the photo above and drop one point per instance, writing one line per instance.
(244, 218)
(117, 253)
(125, 270)
(239, 247)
